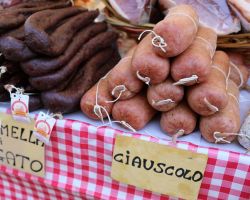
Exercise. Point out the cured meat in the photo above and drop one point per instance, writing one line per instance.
(212, 13)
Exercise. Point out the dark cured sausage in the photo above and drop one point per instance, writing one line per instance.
(12, 18)
(47, 82)
(57, 42)
(15, 50)
(68, 100)
(36, 25)
(44, 65)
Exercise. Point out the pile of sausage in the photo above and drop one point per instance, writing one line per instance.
(57, 51)
(175, 71)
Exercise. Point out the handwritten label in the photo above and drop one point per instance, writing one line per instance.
(19, 148)
(158, 168)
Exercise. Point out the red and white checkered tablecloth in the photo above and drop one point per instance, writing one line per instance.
(78, 164)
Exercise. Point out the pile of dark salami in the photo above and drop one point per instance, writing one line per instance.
(54, 51)
(174, 71)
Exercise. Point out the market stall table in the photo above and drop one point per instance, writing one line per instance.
(79, 156)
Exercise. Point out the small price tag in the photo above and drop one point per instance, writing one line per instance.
(20, 107)
(43, 127)
(158, 168)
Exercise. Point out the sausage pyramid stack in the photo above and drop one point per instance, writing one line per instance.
(174, 70)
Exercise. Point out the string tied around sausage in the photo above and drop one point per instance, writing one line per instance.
(54, 115)
(162, 102)
(120, 89)
(144, 79)
(179, 133)
(234, 97)
(184, 81)
(208, 44)
(210, 106)
(239, 72)
(157, 40)
(222, 138)
(3, 70)
(98, 108)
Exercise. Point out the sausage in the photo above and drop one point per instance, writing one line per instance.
(238, 70)
(17, 33)
(17, 16)
(211, 96)
(31, 7)
(179, 121)
(36, 36)
(68, 100)
(244, 134)
(122, 82)
(11, 67)
(146, 63)
(49, 81)
(95, 103)
(15, 50)
(165, 96)
(35, 102)
(239, 74)
(226, 122)
(194, 64)
(43, 65)
(56, 43)
(178, 30)
(14, 20)
(135, 111)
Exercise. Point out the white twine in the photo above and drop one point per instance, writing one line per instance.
(184, 81)
(162, 102)
(210, 106)
(98, 108)
(223, 138)
(156, 41)
(208, 44)
(227, 79)
(234, 97)
(9, 88)
(239, 72)
(185, 15)
(177, 134)
(54, 115)
(3, 69)
(144, 79)
(125, 124)
(120, 89)
(220, 70)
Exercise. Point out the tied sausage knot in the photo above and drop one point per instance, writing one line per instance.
(144, 79)
(157, 40)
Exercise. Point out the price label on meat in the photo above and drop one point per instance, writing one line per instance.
(158, 168)
(19, 148)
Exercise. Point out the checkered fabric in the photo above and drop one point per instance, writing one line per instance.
(78, 164)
